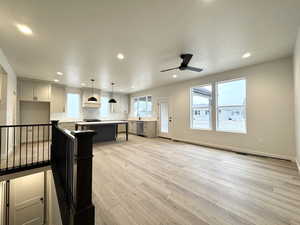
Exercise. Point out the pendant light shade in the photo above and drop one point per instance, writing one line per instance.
(112, 100)
(93, 98)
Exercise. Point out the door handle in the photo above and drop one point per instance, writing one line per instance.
(42, 200)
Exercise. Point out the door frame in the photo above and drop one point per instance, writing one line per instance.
(12, 207)
(159, 101)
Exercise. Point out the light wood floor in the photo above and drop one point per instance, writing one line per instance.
(160, 182)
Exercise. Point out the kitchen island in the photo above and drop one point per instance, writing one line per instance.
(105, 130)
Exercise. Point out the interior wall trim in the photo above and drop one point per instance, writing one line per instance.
(236, 149)
(24, 173)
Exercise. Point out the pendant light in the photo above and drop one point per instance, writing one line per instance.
(92, 98)
(112, 100)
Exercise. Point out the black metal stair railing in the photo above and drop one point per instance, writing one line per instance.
(23, 147)
(71, 162)
(70, 154)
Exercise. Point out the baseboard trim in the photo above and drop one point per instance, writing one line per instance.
(235, 149)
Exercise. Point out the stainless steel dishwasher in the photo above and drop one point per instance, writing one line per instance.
(140, 128)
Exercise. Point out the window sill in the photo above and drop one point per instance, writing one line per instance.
(233, 132)
(201, 129)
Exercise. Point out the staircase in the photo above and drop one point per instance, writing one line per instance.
(26, 147)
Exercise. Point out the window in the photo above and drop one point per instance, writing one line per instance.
(73, 105)
(201, 107)
(104, 108)
(142, 106)
(231, 106)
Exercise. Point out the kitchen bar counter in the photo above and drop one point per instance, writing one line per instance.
(105, 130)
(102, 122)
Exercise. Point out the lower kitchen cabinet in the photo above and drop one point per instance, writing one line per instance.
(148, 128)
(132, 127)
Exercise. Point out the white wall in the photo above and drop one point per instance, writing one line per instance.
(9, 103)
(2, 202)
(11, 89)
(297, 95)
(3, 93)
(54, 212)
(270, 110)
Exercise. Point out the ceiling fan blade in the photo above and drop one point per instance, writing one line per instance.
(194, 69)
(186, 58)
(170, 69)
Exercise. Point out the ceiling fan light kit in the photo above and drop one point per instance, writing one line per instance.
(186, 58)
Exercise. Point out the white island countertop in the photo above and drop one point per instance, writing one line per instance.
(102, 122)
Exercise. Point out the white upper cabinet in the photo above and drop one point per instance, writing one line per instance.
(26, 90)
(42, 91)
(34, 91)
(58, 99)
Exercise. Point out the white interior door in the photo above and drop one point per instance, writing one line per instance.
(2, 203)
(28, 200)
(164, 118)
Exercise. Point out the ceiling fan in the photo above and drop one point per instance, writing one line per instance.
(184, 65)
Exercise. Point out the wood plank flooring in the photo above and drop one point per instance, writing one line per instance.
(160, 182)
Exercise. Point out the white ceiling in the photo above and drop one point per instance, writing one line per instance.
(82, 38)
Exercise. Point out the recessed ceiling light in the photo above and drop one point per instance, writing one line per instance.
(174, 76)
(59, 73)
(83, 84)
(132, 86)
(24, 29)
(246, 55)
(56, 80)
(120, 56)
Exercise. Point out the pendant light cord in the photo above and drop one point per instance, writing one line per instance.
(93, 86)
(112, 89)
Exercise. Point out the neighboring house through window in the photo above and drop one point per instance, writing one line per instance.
(231, 106)
(229, 101)
(201, 107)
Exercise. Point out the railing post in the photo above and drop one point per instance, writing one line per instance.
(84, 210)
(54, 137)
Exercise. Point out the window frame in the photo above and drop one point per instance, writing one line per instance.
(79, 104)
(217, 107)
(210, 108)
(137, 112)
